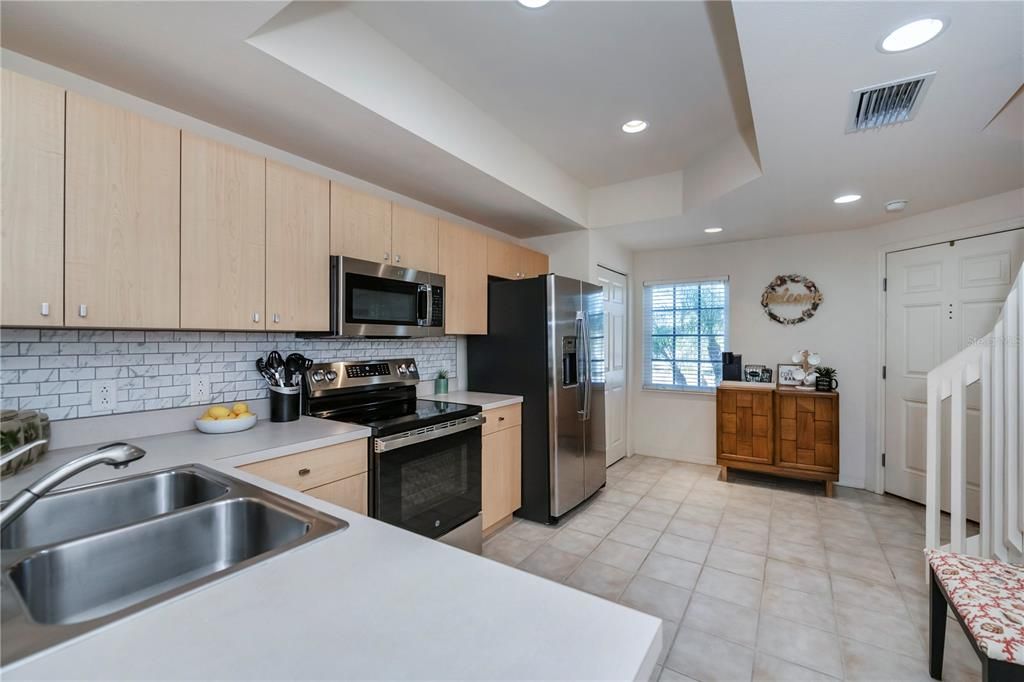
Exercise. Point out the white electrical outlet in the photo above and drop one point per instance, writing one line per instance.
(199, 389)
(104, 396)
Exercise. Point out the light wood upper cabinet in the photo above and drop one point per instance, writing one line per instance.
(32, 203)
(360, 225)
(223, 236)
(121, 265)
(298, 243)
(534, 263)
(511, 261)
(462, 259)
(413, 239)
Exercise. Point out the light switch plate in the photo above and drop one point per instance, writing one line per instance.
(104, 396)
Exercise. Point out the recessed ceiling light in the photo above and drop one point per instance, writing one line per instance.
(634, 126)
(712, 230)
(846, 199)
(914, 34)
(533, 4)
(896, 205)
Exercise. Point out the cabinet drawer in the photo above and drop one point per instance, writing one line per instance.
(349, 493)
(313, 468)
(502, 418)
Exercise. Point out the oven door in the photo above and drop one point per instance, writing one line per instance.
(429, 483)
(383, 300)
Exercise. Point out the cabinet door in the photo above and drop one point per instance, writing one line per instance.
(298, 244)
(414, 239)
(808, 433)
(745, 428)
(501, 475)
(32, 203)
(360, 225)
(223, 236)
(462, 259)
(349, 493)
(503, 259)
(534, 263)
(122, 224)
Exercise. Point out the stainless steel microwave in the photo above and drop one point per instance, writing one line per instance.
(378, 300)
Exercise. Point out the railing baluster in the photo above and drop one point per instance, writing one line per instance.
(933, 473)
(986, 445)
(958, 464)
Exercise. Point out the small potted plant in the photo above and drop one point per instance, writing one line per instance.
(826, 380)
(441, 382)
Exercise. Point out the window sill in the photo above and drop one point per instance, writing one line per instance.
(710, 393)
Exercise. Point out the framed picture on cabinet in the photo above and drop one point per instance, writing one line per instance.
(790, 375)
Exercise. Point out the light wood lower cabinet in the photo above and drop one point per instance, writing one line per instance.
(461, 255)
(349, 493)
(223, 236)
(121, 226)
(501, 469)
(298, 241)
(32, 205)
(335, 474)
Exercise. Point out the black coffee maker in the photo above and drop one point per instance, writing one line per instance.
(732, 367)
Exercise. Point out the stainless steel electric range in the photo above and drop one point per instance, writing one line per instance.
(424, 455)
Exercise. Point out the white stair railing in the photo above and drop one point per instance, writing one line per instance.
(996, 362)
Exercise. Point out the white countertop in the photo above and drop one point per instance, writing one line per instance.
(370, 602)
(487, 401)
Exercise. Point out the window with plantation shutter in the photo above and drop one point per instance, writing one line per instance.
(686, 329)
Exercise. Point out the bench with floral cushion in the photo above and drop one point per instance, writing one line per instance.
(987, 598)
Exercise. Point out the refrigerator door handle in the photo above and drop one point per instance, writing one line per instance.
(581, 395)
(588, 387)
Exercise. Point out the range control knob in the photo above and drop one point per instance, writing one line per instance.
(331, 375)
(412, 367)
(402, 371)
(318, 375)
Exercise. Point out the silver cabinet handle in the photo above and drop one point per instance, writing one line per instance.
(255, 317)
(83, 310)
(44, 309)
(277, 318)
(398, 258)
(387, 256)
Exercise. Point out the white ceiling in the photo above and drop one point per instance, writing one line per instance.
(510, 116)
(564, 79)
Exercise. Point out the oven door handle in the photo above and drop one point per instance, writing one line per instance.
(401, 440)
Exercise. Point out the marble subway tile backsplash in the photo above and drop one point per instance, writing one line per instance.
(53, 370)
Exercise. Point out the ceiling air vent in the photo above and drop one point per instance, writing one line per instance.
(887, 104)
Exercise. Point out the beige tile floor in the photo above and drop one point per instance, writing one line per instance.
(754, 579)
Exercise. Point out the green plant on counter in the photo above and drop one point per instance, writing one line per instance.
(829, 373)
(443, 374)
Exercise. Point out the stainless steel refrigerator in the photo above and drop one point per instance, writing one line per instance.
(545, 342)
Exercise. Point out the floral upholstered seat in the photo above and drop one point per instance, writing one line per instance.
(988, 595)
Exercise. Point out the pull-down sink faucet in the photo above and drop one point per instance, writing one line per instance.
(117, 455)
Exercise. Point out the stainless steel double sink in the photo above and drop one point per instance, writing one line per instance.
(84, 557)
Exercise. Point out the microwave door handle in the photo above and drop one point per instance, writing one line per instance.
(423, 305)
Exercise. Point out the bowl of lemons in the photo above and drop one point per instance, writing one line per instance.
(224, 419)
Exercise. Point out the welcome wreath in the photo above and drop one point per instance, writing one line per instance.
(778, 293)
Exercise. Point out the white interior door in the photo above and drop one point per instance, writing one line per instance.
(614, 286)
(939, 299)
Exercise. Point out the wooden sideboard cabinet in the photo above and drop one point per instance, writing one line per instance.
(780, 431)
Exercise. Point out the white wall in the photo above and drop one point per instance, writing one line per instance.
(846, 267)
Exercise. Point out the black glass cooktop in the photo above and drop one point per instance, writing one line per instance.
(386, 418)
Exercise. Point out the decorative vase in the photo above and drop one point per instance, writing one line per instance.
(826, 385)
(441, 385)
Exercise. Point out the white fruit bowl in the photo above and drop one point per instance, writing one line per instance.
(226, 425)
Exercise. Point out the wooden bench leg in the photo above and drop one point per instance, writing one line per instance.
(936, 627)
